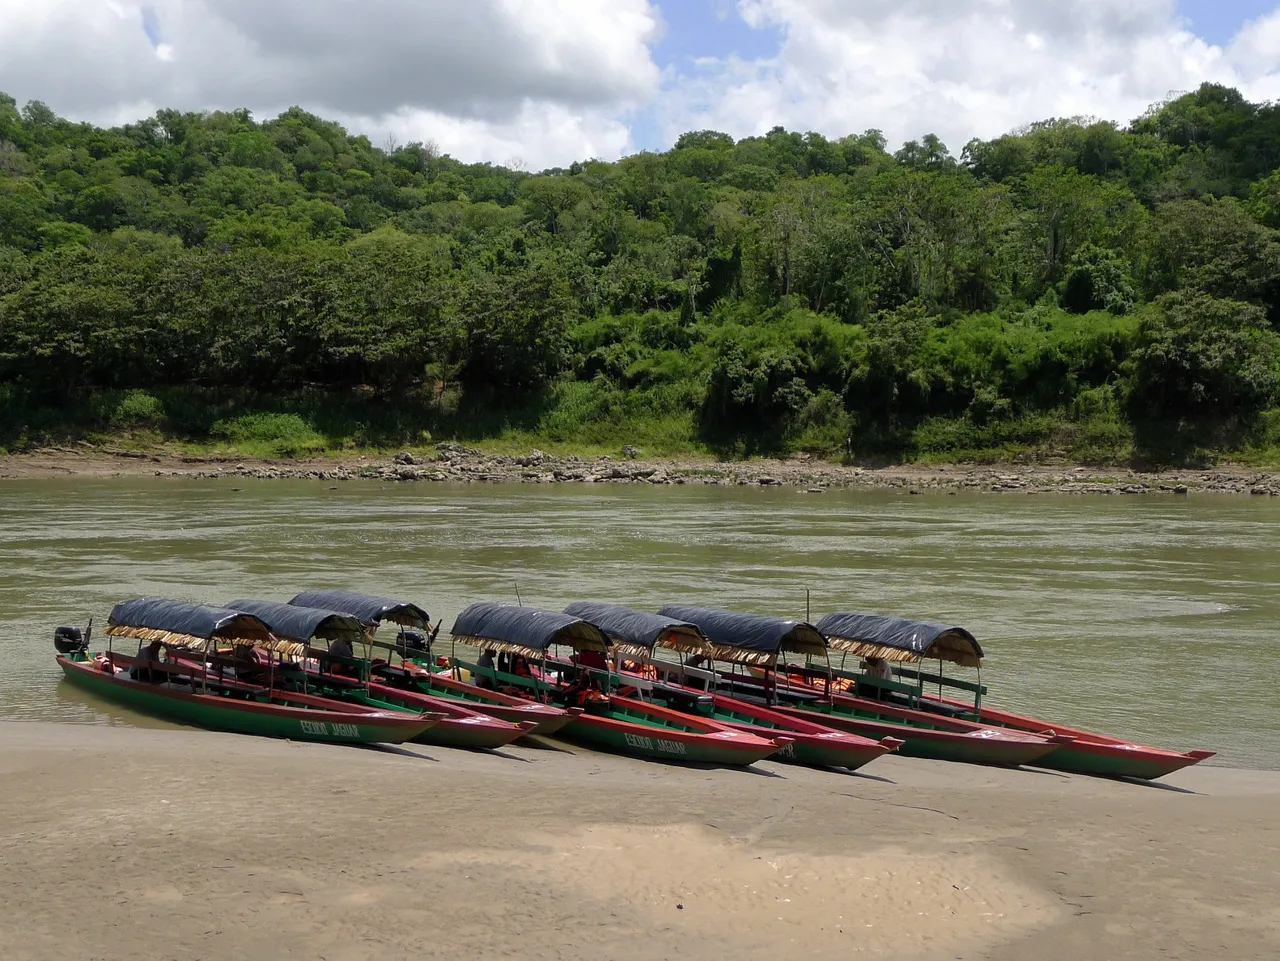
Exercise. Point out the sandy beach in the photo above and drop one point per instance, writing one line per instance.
(123, 843)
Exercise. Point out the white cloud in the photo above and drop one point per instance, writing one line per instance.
(963, 68)
(553, 81)
(475, 74)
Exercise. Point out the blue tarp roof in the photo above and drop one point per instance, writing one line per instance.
(369, 608)
(855, 632)
(179, 617)
(639, 628)
(301, 623)
(528, 628)
(756, 633)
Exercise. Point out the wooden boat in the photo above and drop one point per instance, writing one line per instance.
(412, 646)
(635, 634)
(305, 627)
(609, 721)
(900, 642)
(162, 683)
(749, 641)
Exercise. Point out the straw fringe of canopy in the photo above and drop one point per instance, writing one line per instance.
(687, 640)
(947, 647)
(738, 655)
(279, 645)
(681, 639)
(498, 647)
(150, 634)
(192, 643)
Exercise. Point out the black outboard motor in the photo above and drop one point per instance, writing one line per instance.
(413, 641)
(69, 640)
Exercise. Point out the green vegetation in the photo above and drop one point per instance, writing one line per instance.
(284, 288)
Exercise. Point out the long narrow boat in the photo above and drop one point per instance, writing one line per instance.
(635, 634)
(743, 640)
(156, 683)
(412, 646)
(303, 627)
(609, 721)
(901, 641)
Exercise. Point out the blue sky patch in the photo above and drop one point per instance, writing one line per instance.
(1217, 21)
(151, 26)
(710, 28)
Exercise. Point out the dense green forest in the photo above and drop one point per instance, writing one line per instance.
(1075, 288)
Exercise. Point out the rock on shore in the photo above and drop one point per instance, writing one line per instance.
(456, 463)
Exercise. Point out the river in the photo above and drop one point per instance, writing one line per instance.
(1154, 618)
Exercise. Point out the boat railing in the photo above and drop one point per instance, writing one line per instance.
(535, 684)
(195, 670)
(977, 689)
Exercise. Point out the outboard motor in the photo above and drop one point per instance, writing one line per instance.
(69, 640)
(413, 641)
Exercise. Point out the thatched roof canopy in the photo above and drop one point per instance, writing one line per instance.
(900, 638)
(526, 630)
(637, 633)
(302, 624)
(179, 624)
(369, 608)
(750, 638)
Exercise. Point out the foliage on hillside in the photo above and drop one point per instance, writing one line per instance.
(1073, 285)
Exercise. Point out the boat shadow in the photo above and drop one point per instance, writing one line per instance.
(538, 742)
(1032, 769)
(406, 752)
(402, 751)
(701, 766)
(1136, 781)
(860, 774)
(1157, 785)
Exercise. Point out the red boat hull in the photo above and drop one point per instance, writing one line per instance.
(1097, 754)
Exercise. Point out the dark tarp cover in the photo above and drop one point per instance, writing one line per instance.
(640, 630)
(754, 633)
(861, 633)
(302, 623)
(369, 608)
(527, 628)
(191, 620)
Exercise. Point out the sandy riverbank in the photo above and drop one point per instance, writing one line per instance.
(126, 843)
(452, 463)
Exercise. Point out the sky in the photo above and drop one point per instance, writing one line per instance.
(541, 83)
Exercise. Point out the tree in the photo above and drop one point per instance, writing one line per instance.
(1199, 356)
(1214, 247)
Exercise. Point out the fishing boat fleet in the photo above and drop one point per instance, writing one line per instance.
(684, 684)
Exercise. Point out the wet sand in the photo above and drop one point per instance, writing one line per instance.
(125, 843)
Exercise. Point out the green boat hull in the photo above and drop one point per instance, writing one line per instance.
(999, 749)
(476, 731)
(616, 734)
(235, 716)
(808, 755)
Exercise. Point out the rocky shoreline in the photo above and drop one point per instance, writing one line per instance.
(455, 463)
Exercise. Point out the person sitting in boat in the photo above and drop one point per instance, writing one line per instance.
(340, 649)
(582, 689)
(484, 676)
(150, 653)
(878, 668)
(520, 666)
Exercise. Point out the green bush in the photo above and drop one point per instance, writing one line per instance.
(282, 435)
(137, 408)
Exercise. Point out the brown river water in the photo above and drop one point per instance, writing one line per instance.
(1154, 618)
